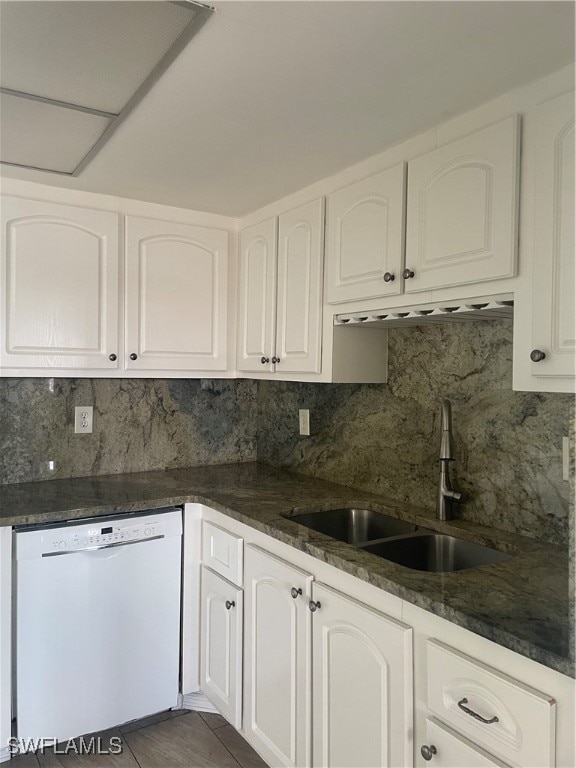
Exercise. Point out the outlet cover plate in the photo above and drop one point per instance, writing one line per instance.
(83, 419)
(566, 458)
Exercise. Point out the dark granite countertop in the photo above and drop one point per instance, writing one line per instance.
(521, 603)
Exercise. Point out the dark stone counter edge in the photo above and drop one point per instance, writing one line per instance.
(563, 665)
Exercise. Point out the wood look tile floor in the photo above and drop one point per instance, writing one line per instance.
(175, 739)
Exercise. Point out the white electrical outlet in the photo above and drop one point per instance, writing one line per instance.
(83, 416)
(566, 458)
(304, 421)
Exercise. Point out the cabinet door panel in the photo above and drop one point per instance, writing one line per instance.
(362, 684)
(462, 213)
(366, 237)
(59, 277)
(176, 296)
(257, 300)
(300, 257)
(221, 645)
(277, 659)
(454, 750)
(554, 280)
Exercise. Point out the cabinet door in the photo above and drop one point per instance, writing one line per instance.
(59, 286)
(365, 233)
(257, 299)
(554, 277)
(462, 216)
(299, 306)
(362, 684)
(176, 296)
(221, 645)
(444, 748)
(277, 659)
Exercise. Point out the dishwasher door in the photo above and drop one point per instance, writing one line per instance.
(97, 624)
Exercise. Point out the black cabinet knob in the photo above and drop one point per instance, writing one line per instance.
(428, 752)
(275, 359)
(407, 274)
(264, 360)
(389, 277)
(133, 356)
(537, 355)
(112, 357)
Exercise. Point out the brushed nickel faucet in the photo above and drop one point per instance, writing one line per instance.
(446, 495)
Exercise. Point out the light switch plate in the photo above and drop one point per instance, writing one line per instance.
(304, 421)
(83, 417)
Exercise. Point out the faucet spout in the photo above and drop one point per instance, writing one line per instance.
(446, 495)
(447, 441)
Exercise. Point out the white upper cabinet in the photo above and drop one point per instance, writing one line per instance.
(59, 287)
(299, 296)
(257, 308)
(280, 305)
(365, 237)
(176, 296)
(462, 210)
(545, 339)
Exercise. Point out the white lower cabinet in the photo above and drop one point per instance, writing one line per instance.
(333, 679)
(277, 659)
(361, 684)
(497, 712)
(445, 748)
(221, 645)
(307, 643)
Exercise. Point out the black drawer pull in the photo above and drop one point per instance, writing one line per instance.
(475, 715)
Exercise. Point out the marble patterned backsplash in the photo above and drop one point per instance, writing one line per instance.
(385, 438)
(379, 438)
(139, 424)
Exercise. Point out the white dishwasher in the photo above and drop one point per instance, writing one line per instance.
(97, 623)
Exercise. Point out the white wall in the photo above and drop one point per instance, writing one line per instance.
(517, 101)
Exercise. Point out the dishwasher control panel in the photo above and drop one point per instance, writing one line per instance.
(108, 532)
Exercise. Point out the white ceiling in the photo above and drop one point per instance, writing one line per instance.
(269, 97)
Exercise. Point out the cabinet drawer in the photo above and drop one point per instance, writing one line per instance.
(455, 751)
(510, 719)
(223, 552)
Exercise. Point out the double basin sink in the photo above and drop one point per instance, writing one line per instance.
(399, 541)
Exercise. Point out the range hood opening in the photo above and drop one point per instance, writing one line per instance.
(480, 308)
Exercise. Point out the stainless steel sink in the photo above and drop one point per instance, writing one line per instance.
(436, 552)
(354, 526)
